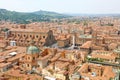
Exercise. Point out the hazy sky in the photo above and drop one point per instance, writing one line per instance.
(63, 6)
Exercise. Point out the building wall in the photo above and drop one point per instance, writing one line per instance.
(30, 61)
(23, 38)
(59, 76)
(62, 43)
(42, 63)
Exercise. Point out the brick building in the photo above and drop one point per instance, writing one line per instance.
(22, 37)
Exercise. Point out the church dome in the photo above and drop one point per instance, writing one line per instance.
(33, 50)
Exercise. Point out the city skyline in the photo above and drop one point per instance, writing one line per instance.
(63, 6)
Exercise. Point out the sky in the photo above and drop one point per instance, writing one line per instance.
(63, 6)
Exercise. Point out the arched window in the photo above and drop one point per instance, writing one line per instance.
(28, 58)
(36, 36)
(43, 36)
(18, 34)
(30, 35)
(24, 35)
(33, 58)
(28, 65)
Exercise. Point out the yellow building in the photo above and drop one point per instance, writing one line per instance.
(30, 59)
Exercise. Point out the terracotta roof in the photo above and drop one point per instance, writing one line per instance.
(2, 65)
(86, 45)
(113, 46)
(108, 57)
(30, 30)
(106, 75)
(63, 36)
(18, 56)
(16, 73)
(61, 64)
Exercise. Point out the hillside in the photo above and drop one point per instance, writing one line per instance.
(51, 14)
(38, 16)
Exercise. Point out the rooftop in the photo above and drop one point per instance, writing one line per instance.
(95, 72)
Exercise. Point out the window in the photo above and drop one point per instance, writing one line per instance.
(12, 34)
(28, 58)
(24, 35)
(30, 35)
(36, 36)
(33, 58)
(43, 36)
(41, 42)
(28, 65)
(18, 34)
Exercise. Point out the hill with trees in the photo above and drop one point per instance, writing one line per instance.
(27, 17)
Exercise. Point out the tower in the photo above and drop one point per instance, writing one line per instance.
(30, 59)
(94, 37)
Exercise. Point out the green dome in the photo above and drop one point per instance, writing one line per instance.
(32, 50)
